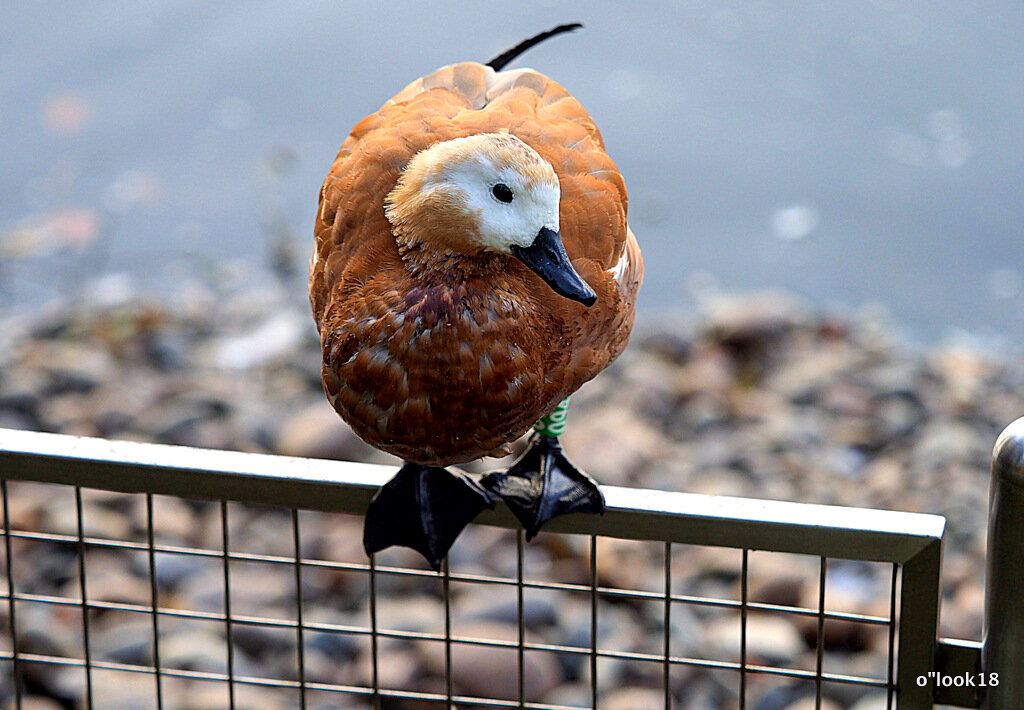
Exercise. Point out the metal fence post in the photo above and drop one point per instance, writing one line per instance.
(1003, 651)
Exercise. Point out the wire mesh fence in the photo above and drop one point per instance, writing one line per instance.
(346, 631)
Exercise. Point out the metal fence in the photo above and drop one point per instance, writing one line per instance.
(908, 545)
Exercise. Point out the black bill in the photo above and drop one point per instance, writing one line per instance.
(546, 257)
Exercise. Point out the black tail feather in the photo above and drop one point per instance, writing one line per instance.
(500, 61)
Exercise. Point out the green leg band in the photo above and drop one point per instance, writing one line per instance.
(554, 423)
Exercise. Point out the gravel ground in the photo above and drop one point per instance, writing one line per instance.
(756, 395)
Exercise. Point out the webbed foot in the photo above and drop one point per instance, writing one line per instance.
(425, 508)
(543, 484)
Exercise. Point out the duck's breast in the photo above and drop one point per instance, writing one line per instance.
(435, 374)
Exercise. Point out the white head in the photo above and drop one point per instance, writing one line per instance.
(499, 191)
(485, 193)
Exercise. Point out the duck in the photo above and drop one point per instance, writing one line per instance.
(472, 268)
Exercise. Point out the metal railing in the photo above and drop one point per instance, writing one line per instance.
(909, 544)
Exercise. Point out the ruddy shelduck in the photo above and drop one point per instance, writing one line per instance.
(473, 268)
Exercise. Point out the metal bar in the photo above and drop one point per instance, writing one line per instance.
(960, 659)
(521, 622)
(1003, 652)
(374, 634)
(87, 651)
(154, 595)
(847, 533)
(446, 592)
(743, 628)
(298, 610)
(13, 626)
(227, 603)
(820, 645)
(920, 594)
(667, 670)
(809, 675)
(593, 622)
(891, 659)
(623, 656)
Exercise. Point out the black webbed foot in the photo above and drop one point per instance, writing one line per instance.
(425, 508)
(543, 484)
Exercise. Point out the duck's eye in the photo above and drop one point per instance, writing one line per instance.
(502, 192)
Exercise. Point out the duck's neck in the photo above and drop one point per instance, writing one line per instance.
(435, 234)
(441, 266)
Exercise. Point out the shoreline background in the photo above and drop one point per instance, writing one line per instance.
(852, 153)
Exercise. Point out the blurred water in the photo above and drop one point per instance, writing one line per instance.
(854, 152)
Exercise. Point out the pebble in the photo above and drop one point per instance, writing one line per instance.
(260, 344)
(785, 590)
(612, 445)
(260, 641)
(873, 701)
(196, 648)
(771, 640)
(574, 695)
(97, 521)
(398, 668)
(37, 702)
(64, 684)
(316, 431)
(633, 699)
(810, 703)
(125, 641)
(109, 579)
(122, 690)
(214, 696)
(485, 605)
(740, 321)
(487, 671)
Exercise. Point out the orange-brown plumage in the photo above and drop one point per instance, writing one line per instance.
(434, 351)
